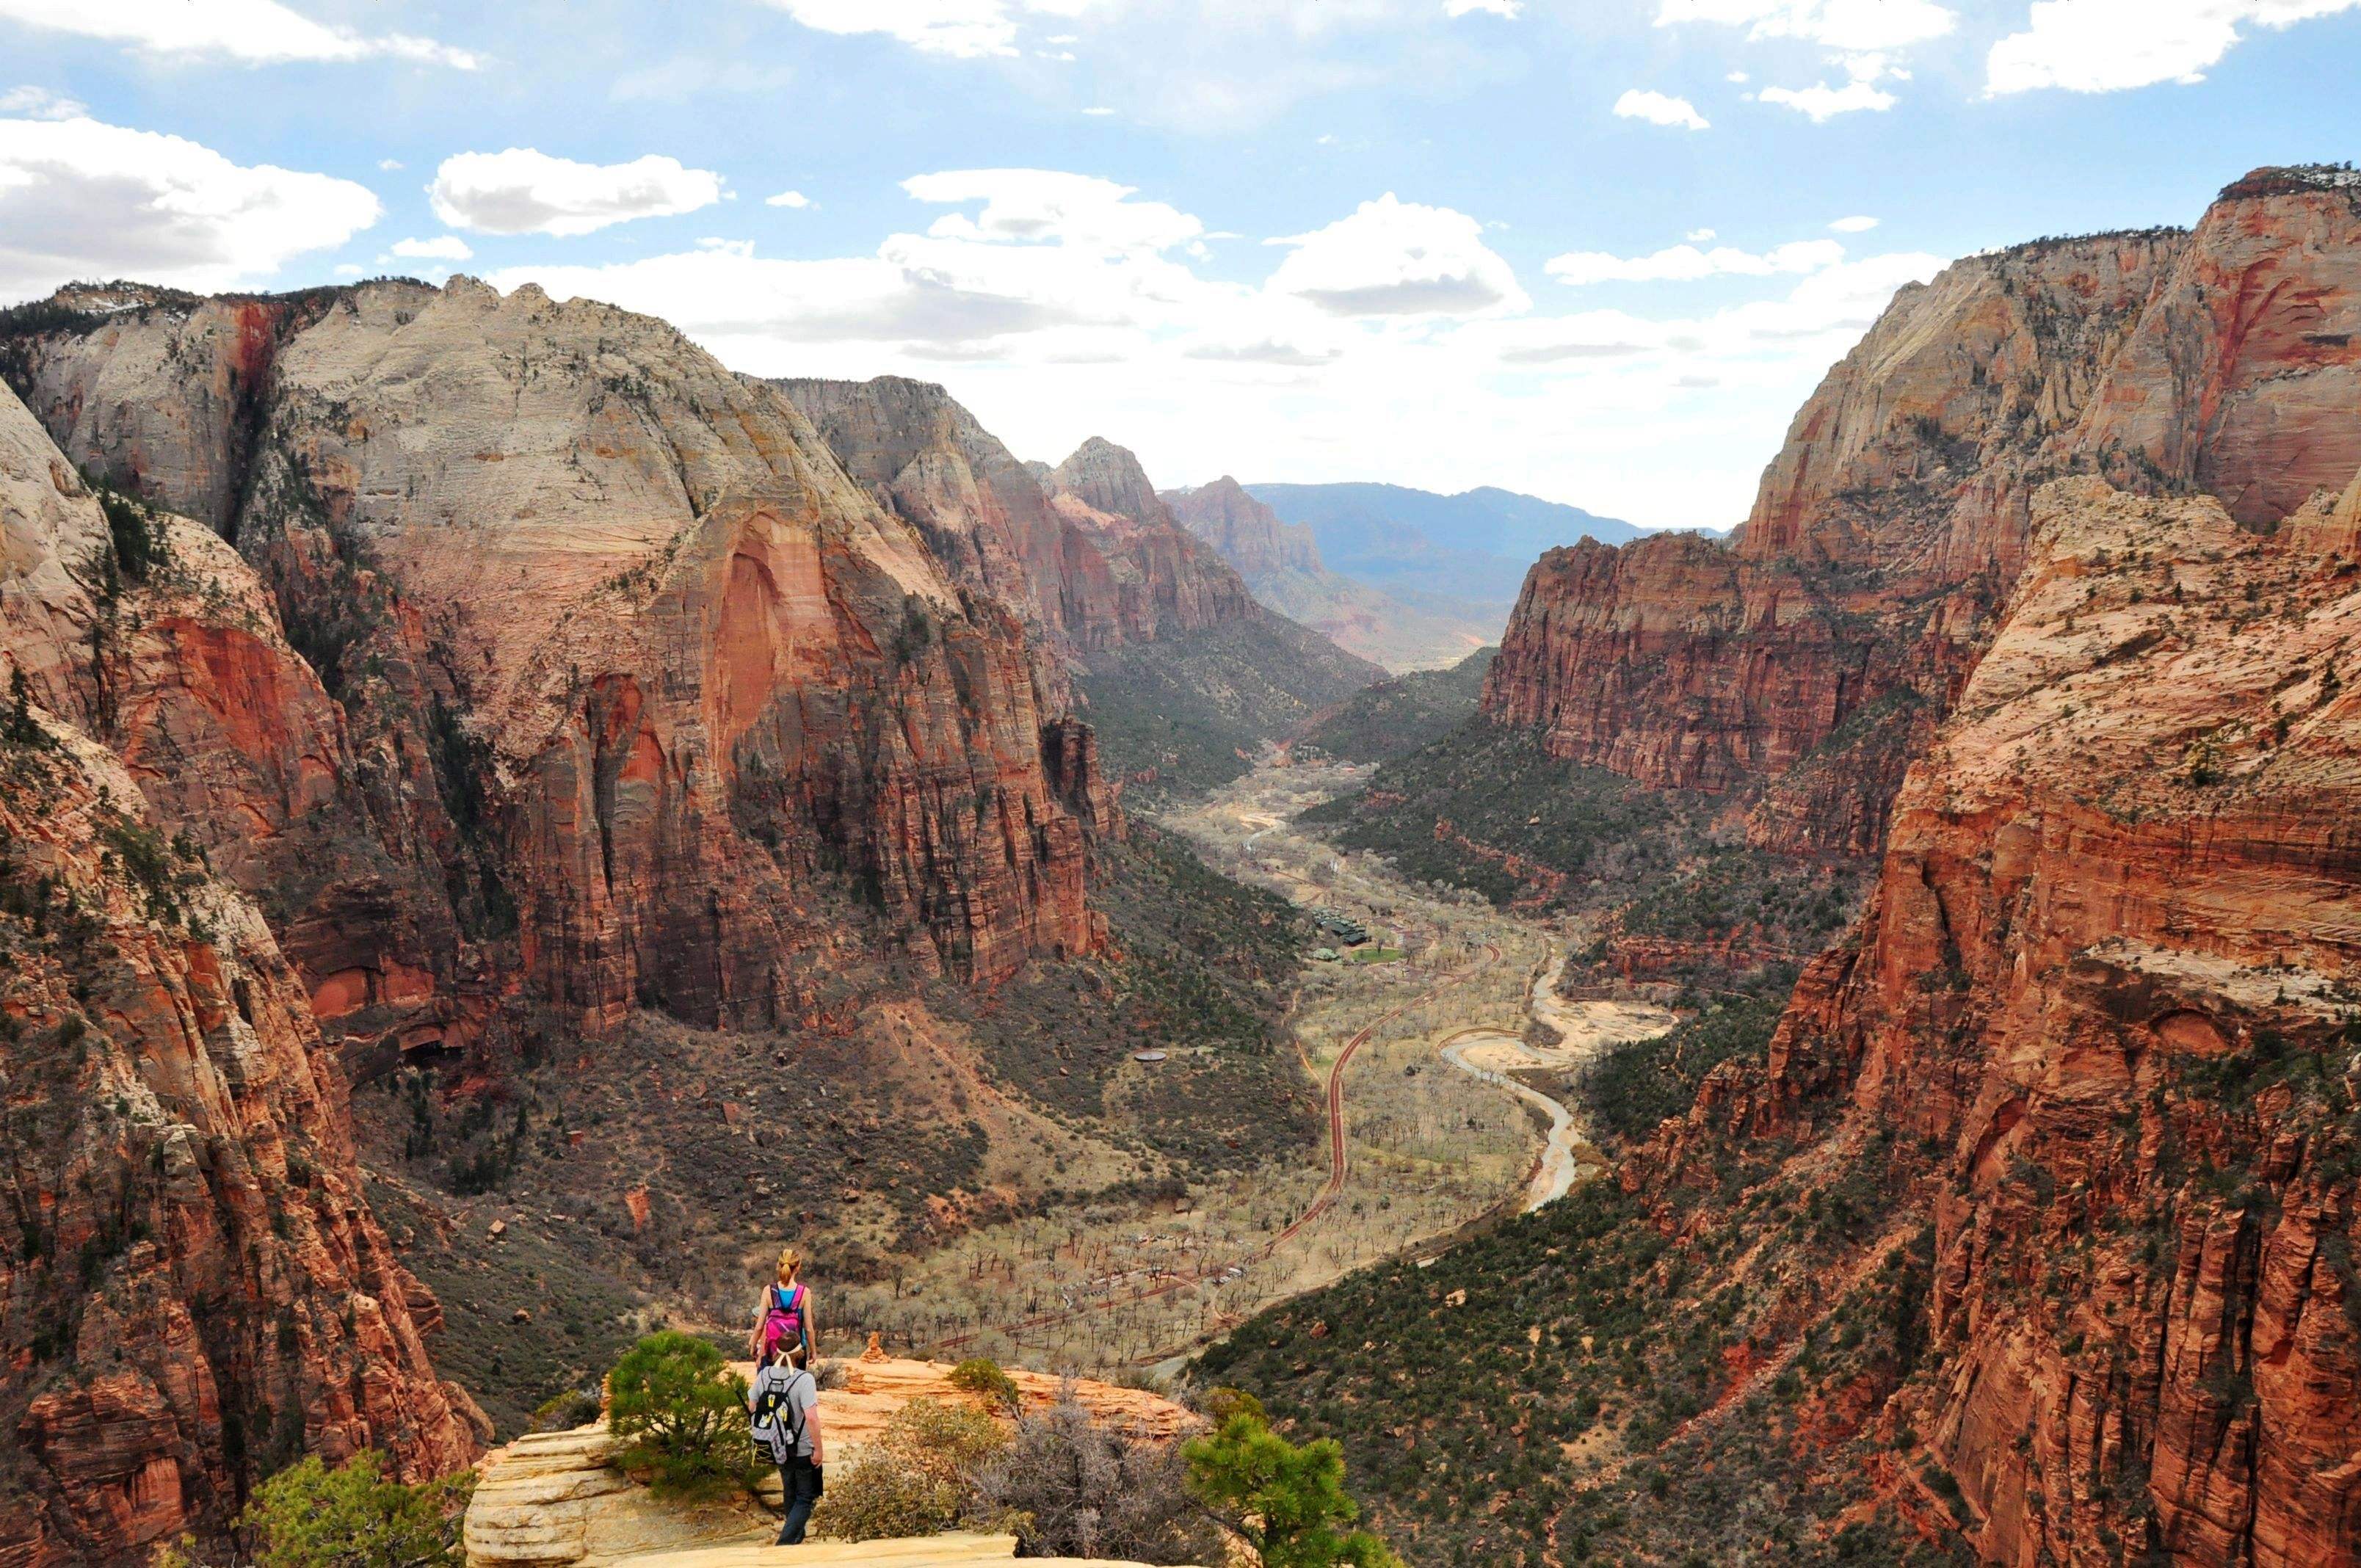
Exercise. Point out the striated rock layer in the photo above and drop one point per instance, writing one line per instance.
(197, 1291)
(2111, 976)
(1798, 668)
(644, 689)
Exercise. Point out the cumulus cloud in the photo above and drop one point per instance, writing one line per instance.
(1389, 341)
(1853, 226)
(1685, 263)
(523, 191)
(82, 199)
(1046, 205)
(1823, 102)
(1851, 24)
(443, 248)
(1697, 237)
(253, 32)
(787, 199)
(2105, 46)
(1397, 257)
(1658, 109)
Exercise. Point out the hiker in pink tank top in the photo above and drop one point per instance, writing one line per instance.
(785, 1317)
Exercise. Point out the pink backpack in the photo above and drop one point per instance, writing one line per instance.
(784, 1323)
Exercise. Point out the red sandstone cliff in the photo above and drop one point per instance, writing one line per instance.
(200, 1291)
(2109, 974)
(1248, 535)
(627, 650)
(1166, 580)
(1803, 664)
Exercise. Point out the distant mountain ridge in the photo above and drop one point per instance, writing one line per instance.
(1281, 563)
(1465, 553)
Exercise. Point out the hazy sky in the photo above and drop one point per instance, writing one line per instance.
(1595, 249)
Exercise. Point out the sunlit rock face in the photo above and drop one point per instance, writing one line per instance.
(1804, 664)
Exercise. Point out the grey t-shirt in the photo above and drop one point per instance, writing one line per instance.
(798, 1394)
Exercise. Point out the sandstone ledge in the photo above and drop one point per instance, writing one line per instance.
(551, 1501)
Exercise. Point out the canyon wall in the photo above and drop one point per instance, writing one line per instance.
(198, 1291)
(650, 694)
(1248, 535)
(2108, 985)
(1799, 668)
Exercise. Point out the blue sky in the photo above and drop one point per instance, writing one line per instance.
(1439, 242)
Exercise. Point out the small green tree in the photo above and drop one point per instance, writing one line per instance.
(309, 1516)
(676, 1410)
(983, 1376)
(17, 725)
(1287, 1502)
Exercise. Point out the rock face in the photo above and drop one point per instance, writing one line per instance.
(653, 695)
(2108, 975)
(201, 1291)
(1248, 535)
(1167, 582)
(1804, 664)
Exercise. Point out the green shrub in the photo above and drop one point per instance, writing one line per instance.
(1287, 1502)
(309, 1516)
(982, 1377)
(917, 1478)
(565, 1410)
(679, 1412)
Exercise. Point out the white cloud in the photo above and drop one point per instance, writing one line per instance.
(1853, 226)
(1027, 205)
(1509, 8)
(523, 191)
(1686, 263)
(1839, 23)
(79, 199)
(1824, 102)
(2104, 46)
(1055, 310)
(1658, 109)
(787, 199)
(1098, 109)
(1738, 76)
(40, 104)
(1697, 237)
(443, 248)
(964, 30)
(1396, 257)
(254, 32)
(389, 164)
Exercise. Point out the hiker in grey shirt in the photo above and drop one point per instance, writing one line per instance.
(784, 1400)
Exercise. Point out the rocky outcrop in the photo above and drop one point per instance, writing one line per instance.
(1862, 590)
(200, 1291)
(1248, 535)
(2108, 975)
(551, 1500)
(638, 659)
(1166, 581)
(985, 516)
